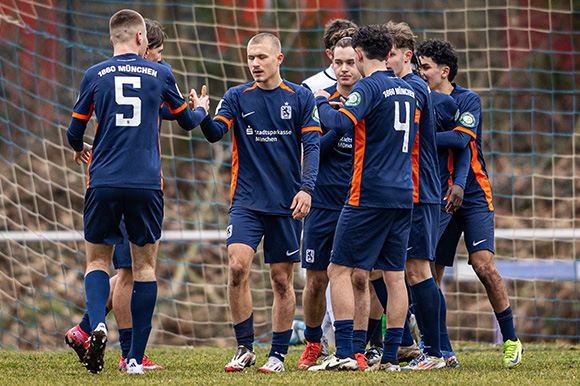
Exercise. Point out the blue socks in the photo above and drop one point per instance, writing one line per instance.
(142, 306)
(506, 324)
(280, 343)
(85, 323)
(125, 335)
(343, 333)
(443, 336)
(359, 341)
(313, 334)
(392, 342)
(244, 332)
(407, 336)
(381, 291)
(372, 327)
(97, 289)
(427, 307)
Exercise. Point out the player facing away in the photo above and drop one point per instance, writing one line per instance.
(122, 283)
(327, 77)
(271, 119)
(426, 191)
(373, 227)
(126, 93)
(328, 199)
(475, 218)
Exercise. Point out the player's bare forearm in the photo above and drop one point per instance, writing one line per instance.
(301, 205)
(454, 198)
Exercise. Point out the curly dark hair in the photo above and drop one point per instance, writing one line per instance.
(333, 27)
(374, 41)
(441, 52)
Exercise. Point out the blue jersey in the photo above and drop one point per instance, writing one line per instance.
(477, 189)
(382, 109)
(426, 183)
(269, 129)
(335, 167)
(127, 93)
(445, 115)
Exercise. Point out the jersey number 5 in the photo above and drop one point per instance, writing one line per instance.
(403, 126)
(121, 99)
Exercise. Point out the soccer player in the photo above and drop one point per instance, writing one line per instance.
(327, 201)
(122, 283)
(327, 77)
(373, 228)
(126, 93)
(475, 218)
(426, 192)
(271, 118)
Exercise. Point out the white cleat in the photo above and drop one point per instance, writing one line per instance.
(332, 363)
(134, 368)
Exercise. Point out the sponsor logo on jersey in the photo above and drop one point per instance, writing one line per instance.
(249, 130)
(310, 255)
(286, 111)
(467, 119)
(353, 99)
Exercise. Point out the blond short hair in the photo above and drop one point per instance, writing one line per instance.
(402, 34)
(267, 38)
(125, 24)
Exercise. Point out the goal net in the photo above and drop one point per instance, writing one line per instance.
(521, 56)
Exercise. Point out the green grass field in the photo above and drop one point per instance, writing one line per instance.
(549, 364)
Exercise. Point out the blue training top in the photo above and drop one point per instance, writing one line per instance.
(269, 129)
(382, 109)
(127, 93)
(335, 168)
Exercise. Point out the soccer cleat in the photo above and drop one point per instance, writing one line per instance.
(333, 363)
(272, 365)
(134, 368)
(147, 364)
(243, 358)
(384, 367)
(450, 359)
(512, 353)
(425, 362)
(408, 353)
(361, 361)
(309, 356)
(78, 340)
(94, 359)
(374, 355)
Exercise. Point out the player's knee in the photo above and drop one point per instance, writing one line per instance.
(360, 280)
(238, 274)
(281, 283)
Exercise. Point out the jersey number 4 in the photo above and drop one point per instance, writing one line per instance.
(403, 126)
(121, 99)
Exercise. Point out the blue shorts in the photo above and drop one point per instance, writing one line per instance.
(424, 232)
(319, 228)
(372, 238)
(478, 232)
(281, 234)
(141, 208)
(122, 254)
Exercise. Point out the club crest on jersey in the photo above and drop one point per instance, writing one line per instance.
(310, 255)
(353, 99)
(315, 116)
(286, 111)
(229, 231)
(467, 119)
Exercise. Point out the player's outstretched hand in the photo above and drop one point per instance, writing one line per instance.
(202, 101)
(83, 156)
(454, 198)
(301, 205)
(321, 93)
